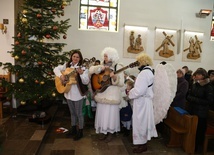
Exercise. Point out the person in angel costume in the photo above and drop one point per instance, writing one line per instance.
(107, 119)
(142, 94)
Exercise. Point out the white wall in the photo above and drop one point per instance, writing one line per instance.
(172, 14)
(7, 12)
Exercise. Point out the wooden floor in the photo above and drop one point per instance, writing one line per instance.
(18, 136)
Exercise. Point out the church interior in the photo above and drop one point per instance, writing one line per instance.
(37, 36)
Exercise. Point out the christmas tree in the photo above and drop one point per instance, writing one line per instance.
(36, 52)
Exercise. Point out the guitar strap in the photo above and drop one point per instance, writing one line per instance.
(152, 73)
(115, 67)
(82, 88)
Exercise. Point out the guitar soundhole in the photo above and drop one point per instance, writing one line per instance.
(105, 77)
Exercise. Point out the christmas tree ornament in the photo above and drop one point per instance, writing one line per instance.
(53, 94)
(62, 14)
(24, 20)
(35, 102)
(39, 15)
(16, 57)
(19, 35)
(21, 80)
(48, 36)
(16, 42)
(64, 3)
(24, 52)
(42, 82)
(55, 27)
(36, 81)
(49, 73)
(24, 12)
(39, 62)
(22, 102)
(53, 10)
(64, 36)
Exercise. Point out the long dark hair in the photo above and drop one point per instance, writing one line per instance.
(72, 53)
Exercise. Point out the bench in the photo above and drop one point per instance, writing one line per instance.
(4, 101)
(182, 130)
(210, 131)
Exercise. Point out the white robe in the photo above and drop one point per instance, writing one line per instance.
(107, 117)
(143, 115)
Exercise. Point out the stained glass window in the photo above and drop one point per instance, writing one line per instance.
(98, 15)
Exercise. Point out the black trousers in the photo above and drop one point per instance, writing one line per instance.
(200, 133)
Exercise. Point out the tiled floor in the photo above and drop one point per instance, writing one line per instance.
(21, 137)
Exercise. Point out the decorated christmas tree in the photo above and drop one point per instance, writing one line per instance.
(36, 50)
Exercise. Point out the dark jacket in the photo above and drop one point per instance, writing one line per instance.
(212, 104)
(180, 96)
(199, 98)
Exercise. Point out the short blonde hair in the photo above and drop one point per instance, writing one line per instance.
(130, 83)
(144, 59)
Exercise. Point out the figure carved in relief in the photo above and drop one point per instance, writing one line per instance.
(166, 52)
(194, 48)
(132, 38)
(138, 43)
(135, 44)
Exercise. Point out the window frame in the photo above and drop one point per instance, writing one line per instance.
(104, 10)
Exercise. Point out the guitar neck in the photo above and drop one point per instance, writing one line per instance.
(120, 70)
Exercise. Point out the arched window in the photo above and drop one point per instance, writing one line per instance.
(98, 15)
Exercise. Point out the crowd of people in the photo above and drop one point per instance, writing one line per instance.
(126, 102)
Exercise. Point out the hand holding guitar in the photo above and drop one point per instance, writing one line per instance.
(64, 79)
(113, 76)
(104, 68)
(79, 70)
(101, 81)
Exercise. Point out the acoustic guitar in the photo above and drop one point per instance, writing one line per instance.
(70, 78)
(100, 82)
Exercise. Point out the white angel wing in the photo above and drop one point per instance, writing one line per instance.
(165, 86)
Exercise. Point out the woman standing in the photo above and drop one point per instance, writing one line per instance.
(199, 99)
(142, 94)
(107, 119)
(75, 95)
(182, 89)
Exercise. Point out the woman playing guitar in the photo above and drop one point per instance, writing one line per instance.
(77, 80)
(107, 119)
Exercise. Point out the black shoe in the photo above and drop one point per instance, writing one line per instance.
(79, 135)
(103, 137)
(72, 131)
(109, 138)
(126, 133)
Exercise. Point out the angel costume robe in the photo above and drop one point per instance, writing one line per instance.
(107, 117)
(143, 115)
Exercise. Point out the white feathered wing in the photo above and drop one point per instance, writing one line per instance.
(165, 86)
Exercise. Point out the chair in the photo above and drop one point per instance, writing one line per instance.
(5, 103)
